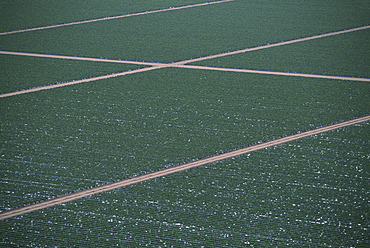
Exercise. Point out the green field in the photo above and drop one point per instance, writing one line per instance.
(20, 73)
(312, 192)
(309, 193)
(343, 55)
(107, 131)
(194, 32)
(20, 14)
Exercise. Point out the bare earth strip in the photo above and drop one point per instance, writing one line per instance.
(52, 86)
(53, 56)
(272, 45)
(272, 72)
(88, 192)
(112, 17)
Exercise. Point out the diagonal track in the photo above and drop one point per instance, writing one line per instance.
(88, 192)
(279, 73)
(112, 17)
(52, 86)
(55, 56)
(283, 43)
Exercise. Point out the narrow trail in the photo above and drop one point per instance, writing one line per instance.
(100, 189)
(279, 73)
(112, 17)
(56, 56)
(53, 86)
(283, 43)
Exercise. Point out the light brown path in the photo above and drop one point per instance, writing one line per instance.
(54, 56)
(113, 17)
(88, 192)
(79, 81)
(293, 74)
(273, 45)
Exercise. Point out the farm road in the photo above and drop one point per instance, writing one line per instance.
(112, 17)
(292, 74)
(273, 45)
(100, 189)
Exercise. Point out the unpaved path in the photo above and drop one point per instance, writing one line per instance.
(112, 17)
(54, 56)
(79, 81)
(272, 45)
(272, 72)
(88, 192)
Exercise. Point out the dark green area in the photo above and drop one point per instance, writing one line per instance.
(22, 72)
(22, 14)
(341, 55)
(308, 193)
(113, 129)
(311, 192)
(194, 32)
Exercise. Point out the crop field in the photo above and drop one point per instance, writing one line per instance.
(94, 92)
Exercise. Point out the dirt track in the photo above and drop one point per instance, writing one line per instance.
(84, 193)
(279, 73)
(112, 17)
(79, 81)
(272, 45)
(54, 56)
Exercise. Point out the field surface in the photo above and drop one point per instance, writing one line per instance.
(93, 93)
